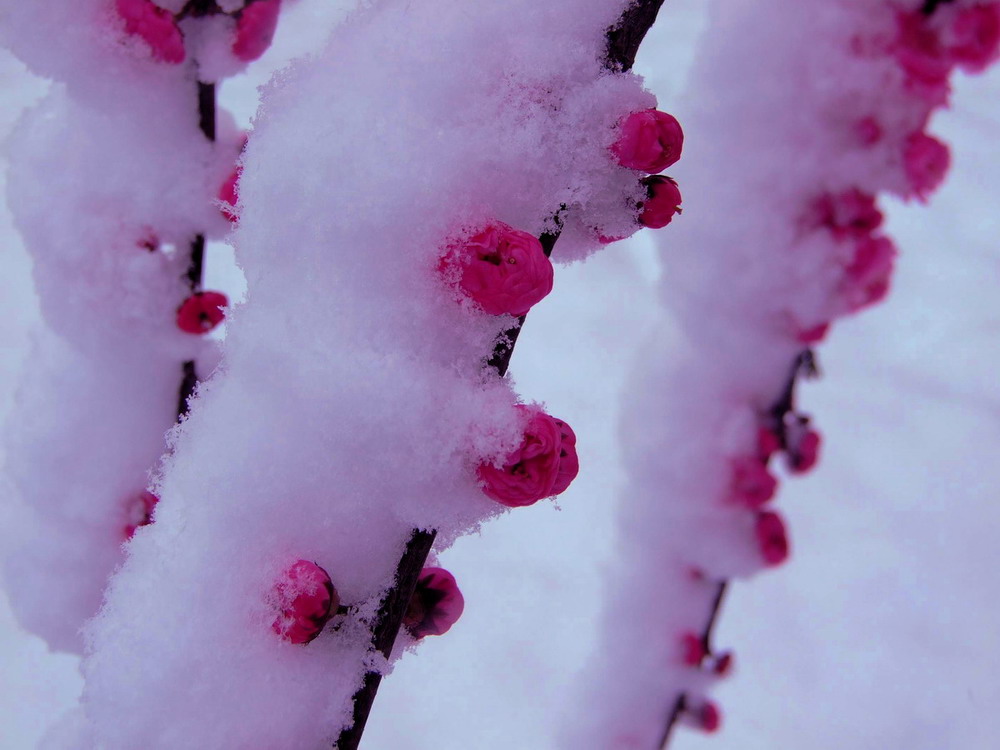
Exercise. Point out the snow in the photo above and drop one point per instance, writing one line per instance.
(886, 607)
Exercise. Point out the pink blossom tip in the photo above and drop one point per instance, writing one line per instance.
(140, 512)
(851, 213)
(201, 312)
(751, 484)
(154, 26)
(693, 649)
(306, 600)
(544, 465)
(649, 141)
(722, 665)
(704, 715)
(973, 39)
(504, 270)
(662, 204)
(772, 539)
(255, 26)
(867, 277)
(926, 161)
(803, 450)
(436, 605)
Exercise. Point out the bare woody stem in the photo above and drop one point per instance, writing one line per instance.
(196, 264)
(623, 41)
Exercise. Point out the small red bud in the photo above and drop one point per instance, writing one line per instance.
(201, 312)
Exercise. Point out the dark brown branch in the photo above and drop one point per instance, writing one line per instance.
(625, 37)
(386, 628)
(196, 264)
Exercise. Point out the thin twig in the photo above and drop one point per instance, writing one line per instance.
(680, 703)
(196, 264)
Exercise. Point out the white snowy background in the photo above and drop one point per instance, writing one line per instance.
(881, 630)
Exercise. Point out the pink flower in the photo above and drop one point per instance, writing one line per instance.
(255, 26)
(803, 449)
(663, 203)
(704, 715)
(229, 194)
(436, 604)
(306, 600)
(868, 131)
(772, 539)
(767, 443)
(926, 161)
(201, 312)
(751, 484)
(813, 335)
(140, 512)
(649, 141)
(974, 37)
(866, 278)
(155, 26)
(849, 214)
(544, 465)
(722, 665)
(503, 269)
(919, 52)
(693, 650)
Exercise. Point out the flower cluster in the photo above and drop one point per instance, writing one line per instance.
(160, 31)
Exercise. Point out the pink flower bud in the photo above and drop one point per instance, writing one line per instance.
(919, 53)
(772, 539)
(140, 512)
(255, 26)
(973, 40)
(436, 604)
(767, 444)
(649, 141)
(813, 335)
(693, 650)
(926, 161)
(751, 484)
(849, 214)
(229, 195)
(722, 665)
(866, 278)
(663, 203)
(201, 312)
(155, 26)
(305, 599)
(704, 715)
(503, 269)
(803, 450)
(543, 466)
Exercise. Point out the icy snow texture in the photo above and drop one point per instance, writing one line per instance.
(737, 291)
(109, 161)
(352, 405)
